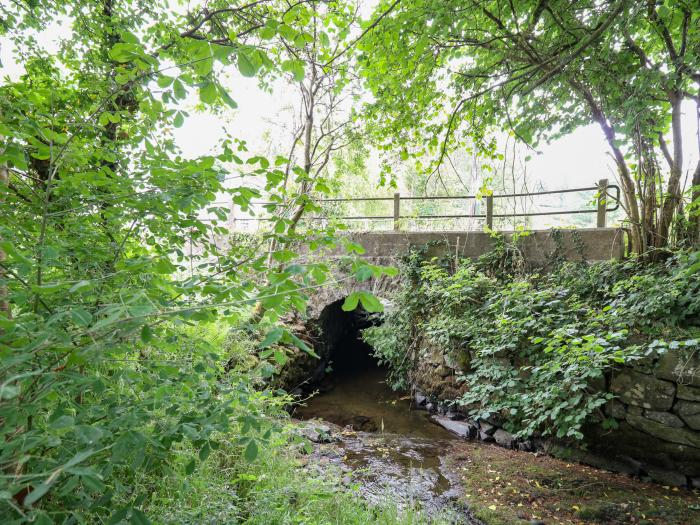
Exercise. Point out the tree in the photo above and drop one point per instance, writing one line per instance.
(99, 380)
(544, 68)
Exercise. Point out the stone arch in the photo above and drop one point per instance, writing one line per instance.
(344, 283)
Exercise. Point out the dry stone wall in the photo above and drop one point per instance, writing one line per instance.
(656, 407)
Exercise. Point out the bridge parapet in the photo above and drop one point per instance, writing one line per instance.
(538, 249)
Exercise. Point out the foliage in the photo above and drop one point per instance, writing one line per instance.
(533, 348)
(281, 487)
(541, 69)
(116, 274)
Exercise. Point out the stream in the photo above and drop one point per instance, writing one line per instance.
(390, 451)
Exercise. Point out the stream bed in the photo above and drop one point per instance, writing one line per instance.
(387, 449)
(398, 456)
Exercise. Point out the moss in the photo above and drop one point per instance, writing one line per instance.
(510, 487)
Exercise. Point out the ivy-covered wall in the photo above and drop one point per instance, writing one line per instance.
(594, 361)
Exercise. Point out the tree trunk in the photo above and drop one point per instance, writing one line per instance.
(628, 185)
(695, 213)
(4, 304)
(673, 192)
(308, 136)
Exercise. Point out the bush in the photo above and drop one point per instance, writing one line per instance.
(533, 347)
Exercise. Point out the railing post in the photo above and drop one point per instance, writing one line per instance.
(489, 212)
(602, 202)
(397, 209)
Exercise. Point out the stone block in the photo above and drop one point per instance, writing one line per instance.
(681, 366)
(463, 429)
(526, 446)
(688, 392)
(486, 438)
(642, 390)
(667, 477)
(682, 436)
(487, 428)
(642, 447)
(665, 418)
(504, 439)
(615, 409)
(689, 412)
(635, 410)
(454, 415)
(686, 408)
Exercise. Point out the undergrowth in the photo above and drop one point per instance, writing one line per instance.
(281, 487)
(532, 347)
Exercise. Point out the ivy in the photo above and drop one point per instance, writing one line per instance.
(533, 349)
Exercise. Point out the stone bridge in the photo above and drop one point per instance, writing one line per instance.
(538, 249)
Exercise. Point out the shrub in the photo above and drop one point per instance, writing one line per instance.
(534, 347)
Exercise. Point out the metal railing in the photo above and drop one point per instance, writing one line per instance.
(601, 210)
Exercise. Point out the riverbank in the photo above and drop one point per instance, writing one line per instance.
(391, 454)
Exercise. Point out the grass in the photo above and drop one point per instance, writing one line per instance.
(278, 488)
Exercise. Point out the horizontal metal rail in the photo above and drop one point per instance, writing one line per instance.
(601, 209)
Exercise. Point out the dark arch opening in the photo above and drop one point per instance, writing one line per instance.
(345, 351)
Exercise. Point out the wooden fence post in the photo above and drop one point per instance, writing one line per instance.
(489, 212)
(602, 202)
(397, 210)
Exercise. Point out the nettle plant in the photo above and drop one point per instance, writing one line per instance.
(532, 348)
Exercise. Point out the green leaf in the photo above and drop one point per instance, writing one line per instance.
(36, 494)
(80, 286)
(272, 337)
(364, 273)
(283, 256)
(146, 333)
(251, 451)
(208, 93)
(164, 81)
(8, 391)
(179, 119)
(227, 98)
(189, 468)
(267, 33)
(179, 89)
(280, 358)
(246, 65)
(139, 518)
(164, 266)
(370, 302)
(351, 302)
(124, 52)
(81, 316)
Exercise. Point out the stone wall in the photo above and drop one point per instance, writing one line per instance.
(387, 248)
(591, 244)
(656, 407)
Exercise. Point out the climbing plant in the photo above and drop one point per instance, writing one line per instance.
(533, 349)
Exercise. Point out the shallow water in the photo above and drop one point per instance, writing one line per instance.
(366, 402)
(391, 450)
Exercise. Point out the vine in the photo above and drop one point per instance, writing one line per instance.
(533, 348)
